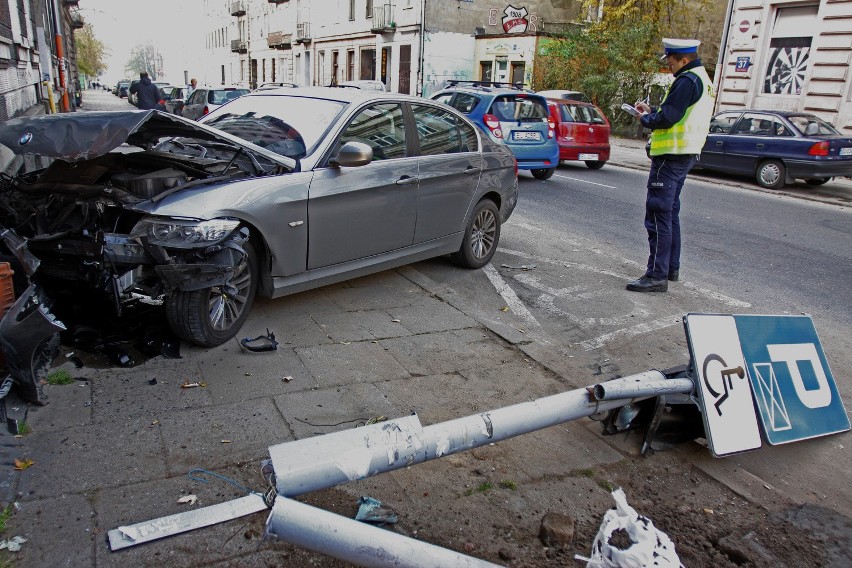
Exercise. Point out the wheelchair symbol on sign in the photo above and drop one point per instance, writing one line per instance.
(722, 395)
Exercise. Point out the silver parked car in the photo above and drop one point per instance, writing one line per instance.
(274, 193)
(205, 100)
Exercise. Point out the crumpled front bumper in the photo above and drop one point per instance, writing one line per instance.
(29, 338)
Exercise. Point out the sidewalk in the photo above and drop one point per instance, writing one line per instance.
(630, 153)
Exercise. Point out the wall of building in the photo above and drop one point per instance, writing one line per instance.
(487, 17)
(790, 55)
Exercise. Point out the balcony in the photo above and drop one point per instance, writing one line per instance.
(303, 32)
(239, 46)
(383, 21)
(77, 21)
(238, 8)
(279, 40)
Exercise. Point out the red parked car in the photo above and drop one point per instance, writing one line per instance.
(582, 131)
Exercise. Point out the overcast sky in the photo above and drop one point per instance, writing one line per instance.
(123, 24)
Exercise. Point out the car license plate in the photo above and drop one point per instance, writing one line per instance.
(588, 157)
(527, 135)
(846, 151)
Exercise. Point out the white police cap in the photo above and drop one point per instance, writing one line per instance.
(680, 46)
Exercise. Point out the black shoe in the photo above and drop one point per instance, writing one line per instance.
(647, 284)
(674, 275)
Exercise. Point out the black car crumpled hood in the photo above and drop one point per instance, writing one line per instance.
(78, 136)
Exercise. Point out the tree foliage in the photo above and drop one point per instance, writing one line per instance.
(143, 58)
(90, 51)
(616, 58)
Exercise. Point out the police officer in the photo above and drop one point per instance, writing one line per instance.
(679, 128)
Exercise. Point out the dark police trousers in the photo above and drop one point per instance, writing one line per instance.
(662, 212)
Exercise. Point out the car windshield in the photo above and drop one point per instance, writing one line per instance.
(292, 127)
(513, 107)
(811, 125)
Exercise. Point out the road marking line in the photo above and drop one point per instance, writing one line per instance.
(727, 300)
(515, 304)
(526, 226)
(627, 332)
(584, 181)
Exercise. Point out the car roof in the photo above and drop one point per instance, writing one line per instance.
(561, 101)
(222, 88)
(784, 113)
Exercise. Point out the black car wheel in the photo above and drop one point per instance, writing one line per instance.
(817, 181)
(480, 236)
(771, 174)
(212, 316)
(545, 173)
(595, 164)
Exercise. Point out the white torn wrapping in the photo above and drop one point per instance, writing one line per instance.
(649, 546)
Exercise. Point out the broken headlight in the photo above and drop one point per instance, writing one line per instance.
(184, 233)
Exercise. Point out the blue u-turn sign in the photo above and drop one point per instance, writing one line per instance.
(793, 387)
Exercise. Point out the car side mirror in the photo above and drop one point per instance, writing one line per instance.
(598, 121)
(352, 154)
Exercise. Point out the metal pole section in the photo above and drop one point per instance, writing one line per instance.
(357, 542)
(60, 54)
(321, 462)
(614, 390)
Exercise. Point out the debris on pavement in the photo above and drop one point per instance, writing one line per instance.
(372, 511)
(525, 267)
(260, 343)
(188, 385)
(287, 378)
(153, 381)
(13, 544)
(557, 530)
(188, 499)
(22, 464)
(626, 538)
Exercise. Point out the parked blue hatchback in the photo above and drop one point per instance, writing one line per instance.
(776, 147)
(509, 114)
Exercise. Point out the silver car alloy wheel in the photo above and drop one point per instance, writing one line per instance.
(769, 174)
(225, 308)
(482, 235)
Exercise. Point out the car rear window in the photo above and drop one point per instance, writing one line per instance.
(580, 113)
(811, 125)
(513, 107)
(221, 96)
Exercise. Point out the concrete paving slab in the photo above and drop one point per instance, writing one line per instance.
(380, 324)
(239, 375)
(384, 290)
(430, 315)
(60, 531)
(220, 435)
(304, 303)
(463, 349)
(312, 413)
(342, 364)
(124, 395)
(298, 330)
(69, 405)
(90, 457)
(344, 326)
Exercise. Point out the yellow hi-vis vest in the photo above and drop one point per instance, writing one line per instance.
(690, 133)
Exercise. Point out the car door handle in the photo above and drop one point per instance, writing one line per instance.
(406, 180)
(719, 143)
(760, 145)
(471, 170)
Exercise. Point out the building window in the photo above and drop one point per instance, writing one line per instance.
(351, 10)
(486, 72)
(335, 64)
(517, 72)
(368, 64)
(369, 8)
(790, 50)
(350, 65)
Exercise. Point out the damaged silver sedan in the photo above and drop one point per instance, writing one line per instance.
(276, 192)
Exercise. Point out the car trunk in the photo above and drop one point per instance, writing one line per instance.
(522, 119)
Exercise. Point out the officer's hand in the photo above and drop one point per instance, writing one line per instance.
(642, 107)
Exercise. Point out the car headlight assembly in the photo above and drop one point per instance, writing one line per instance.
(184, 233)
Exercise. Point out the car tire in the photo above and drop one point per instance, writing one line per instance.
(209, 317)
(545, 173)
(595, 164)
(817, 181)
(771, 174)
(481, 236)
